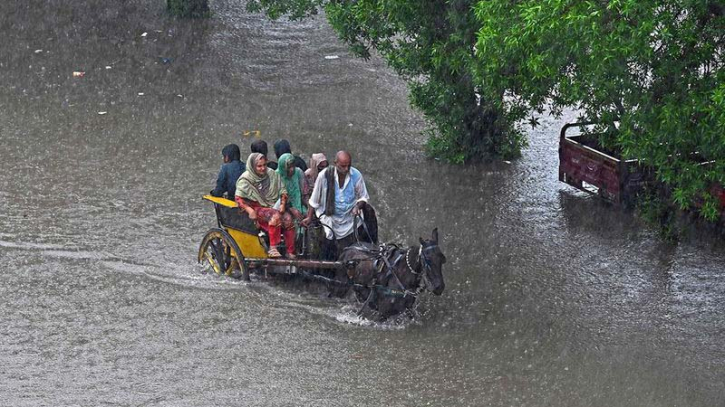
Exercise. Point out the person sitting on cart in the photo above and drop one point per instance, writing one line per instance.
(259, 189)
(318, 162)
(293, 180)
(338, 197)
(231, 170)
(282, 147)
(260, 146)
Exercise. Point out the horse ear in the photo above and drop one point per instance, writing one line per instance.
(422, 242)
(435, 235)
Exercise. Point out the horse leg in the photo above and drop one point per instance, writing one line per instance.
(362, 294)
(368, 298)
(389, 306)
(369, 313)
(340, 286)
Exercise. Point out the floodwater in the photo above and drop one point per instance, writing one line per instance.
(552, 299)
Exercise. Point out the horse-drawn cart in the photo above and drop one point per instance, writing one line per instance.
(387, 278)
(236, 246)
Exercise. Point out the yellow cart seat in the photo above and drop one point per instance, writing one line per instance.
(237, 223)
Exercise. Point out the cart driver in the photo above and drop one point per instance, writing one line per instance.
(338, 196)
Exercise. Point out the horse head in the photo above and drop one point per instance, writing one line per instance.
(432, 259)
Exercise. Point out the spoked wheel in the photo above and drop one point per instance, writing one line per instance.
(222, 253)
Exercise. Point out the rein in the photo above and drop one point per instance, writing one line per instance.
(365, 227)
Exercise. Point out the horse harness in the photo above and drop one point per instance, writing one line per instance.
(387, 258)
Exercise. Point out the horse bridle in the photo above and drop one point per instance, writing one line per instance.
(424, 262)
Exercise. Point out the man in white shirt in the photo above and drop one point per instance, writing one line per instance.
(349, 196)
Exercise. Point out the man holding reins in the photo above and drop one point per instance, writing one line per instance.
(338, 196)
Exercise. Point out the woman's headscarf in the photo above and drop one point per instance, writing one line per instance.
(265, 189)
(292, 184)
(312, 171)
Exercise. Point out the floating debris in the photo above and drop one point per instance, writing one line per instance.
(144, 34)
(102, 113)
(79, 74)
(331, 57)
(38, 51)
(108, 67)
(140, 93)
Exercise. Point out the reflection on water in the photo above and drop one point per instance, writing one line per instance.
(553, 298)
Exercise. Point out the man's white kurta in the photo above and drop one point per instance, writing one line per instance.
(353, 191)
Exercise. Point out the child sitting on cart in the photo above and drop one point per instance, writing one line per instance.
(229, 173)
(259, 190)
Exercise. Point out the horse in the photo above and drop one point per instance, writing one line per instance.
(388, 279)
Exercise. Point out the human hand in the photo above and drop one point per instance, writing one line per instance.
(295, 213)
(306, 221)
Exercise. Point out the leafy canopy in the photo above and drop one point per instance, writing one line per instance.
(430, 43)
(650, 71)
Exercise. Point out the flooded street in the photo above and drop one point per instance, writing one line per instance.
(552, 297)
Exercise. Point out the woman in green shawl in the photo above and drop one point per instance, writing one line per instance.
(258, 190)
(293, 179)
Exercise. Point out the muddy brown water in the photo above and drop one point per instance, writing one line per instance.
(552, 299)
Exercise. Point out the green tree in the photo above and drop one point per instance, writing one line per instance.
(650, 71)
(430, 43)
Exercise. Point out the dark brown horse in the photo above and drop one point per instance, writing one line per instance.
(388, 279)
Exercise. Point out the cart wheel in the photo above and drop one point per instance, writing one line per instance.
(223, 254)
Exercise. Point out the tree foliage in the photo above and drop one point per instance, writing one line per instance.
(649, 71)
(430, 43)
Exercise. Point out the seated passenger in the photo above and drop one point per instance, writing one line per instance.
(282, 147)
(258, 190)
(318, 162)
(260, 146)
(293, 180)
(231, 170)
